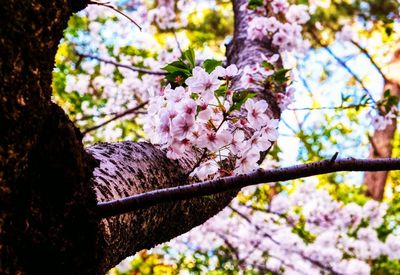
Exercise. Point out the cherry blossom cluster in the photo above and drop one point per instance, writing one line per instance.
(303, 232)
(225, 128)
(280, 22)
(170, 14)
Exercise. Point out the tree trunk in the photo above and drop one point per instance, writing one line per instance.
(382, 139)
(50, 185)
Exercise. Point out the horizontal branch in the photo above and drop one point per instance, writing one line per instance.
(144, 200)
(132, 68)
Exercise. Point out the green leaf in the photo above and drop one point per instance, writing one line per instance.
(267, 65)
(194, 96)
(253, 4)
(190, 56)
(221, 91)
(280, 76)
(177, 66)
(177, 77)
(239, 98)
(210, 65)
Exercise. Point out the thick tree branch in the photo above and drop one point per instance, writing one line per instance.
(144, 200)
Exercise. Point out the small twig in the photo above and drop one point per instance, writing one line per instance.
(177, 42)
(135, 69)
(334, 157)
(124, 113)
(107, 5)
(203, 155)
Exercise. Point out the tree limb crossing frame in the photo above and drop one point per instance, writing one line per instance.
(144, 200)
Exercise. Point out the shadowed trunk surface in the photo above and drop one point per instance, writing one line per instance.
(45, 201)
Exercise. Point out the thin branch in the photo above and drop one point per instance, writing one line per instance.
(330, 107)
(177, 42)
(350, 71)
(132, 68)
(122, 114)
(107, 5)
(344, 65)
(145, 200)
(364, 51)
(203, 155)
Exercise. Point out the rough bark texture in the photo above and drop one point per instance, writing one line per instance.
(49, 185)
(382, 140)
(243, 51)
(130, 168)
(45, 201)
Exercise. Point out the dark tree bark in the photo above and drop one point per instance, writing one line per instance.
(49, 184)
(382, 140)
(46, 205)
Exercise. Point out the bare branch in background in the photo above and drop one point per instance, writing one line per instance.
(344, 65)
(364, 51)
(132, 68)
(350, 71)
(117, 116)
(108, 5)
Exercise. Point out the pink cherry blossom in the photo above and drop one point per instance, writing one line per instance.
(259, 142)
(205, 170)
(204, 83)
(297, 14)
(279, 6)
(214, 141)
(182, 125)
(227, 73)
(256, 113)
(247, 163)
